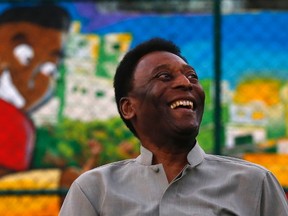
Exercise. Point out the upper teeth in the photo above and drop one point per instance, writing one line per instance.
(182, 103)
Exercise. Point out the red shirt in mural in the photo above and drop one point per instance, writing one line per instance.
(16, 138)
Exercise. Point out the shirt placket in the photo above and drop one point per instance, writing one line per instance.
(170, 196)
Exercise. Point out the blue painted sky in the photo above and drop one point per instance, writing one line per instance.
(252, 43)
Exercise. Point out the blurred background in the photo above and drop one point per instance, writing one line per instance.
(58, 117)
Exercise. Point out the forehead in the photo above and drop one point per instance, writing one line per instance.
(149, 63)
(34, 34)
(157, 58)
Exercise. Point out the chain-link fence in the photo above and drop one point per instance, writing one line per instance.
(62, 123)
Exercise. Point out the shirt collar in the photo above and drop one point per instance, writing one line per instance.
(145, 157)
(194, 157)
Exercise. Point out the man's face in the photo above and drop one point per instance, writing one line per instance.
(28, 58)
(168, 97)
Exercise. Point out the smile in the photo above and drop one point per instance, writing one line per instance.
(9, 92)
(182, 104)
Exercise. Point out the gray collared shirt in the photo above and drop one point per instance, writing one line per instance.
(209, 185)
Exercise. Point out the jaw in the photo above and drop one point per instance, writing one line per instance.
(184, 122)
(165, 121)
(168, 128)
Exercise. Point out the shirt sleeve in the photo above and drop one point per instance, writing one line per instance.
(273, 199)
(77, 203)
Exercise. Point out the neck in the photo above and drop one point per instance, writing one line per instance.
(173, 157)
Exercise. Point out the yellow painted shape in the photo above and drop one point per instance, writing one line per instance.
(32, 205)
(258, 115)
(48, 205)
(276, 163)
(32, 179)
(266, 91)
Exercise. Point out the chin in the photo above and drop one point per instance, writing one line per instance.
(189, 131)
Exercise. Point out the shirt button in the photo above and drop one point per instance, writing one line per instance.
(156, 169)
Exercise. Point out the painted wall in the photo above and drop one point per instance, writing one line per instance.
(56, 97)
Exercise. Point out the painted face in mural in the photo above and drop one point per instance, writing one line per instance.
(29, 54)
(30, 49)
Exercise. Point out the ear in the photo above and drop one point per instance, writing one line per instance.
(126, 108)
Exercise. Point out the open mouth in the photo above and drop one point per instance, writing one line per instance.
(187, 104)
(9, 92)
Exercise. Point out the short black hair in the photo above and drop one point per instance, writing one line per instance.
(46, 15)
(125, 70)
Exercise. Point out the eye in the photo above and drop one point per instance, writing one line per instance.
(164, 76)
(23, 53)
(48, 69)
(192, 76)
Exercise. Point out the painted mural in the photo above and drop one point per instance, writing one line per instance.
(58, 116)
(31, 47)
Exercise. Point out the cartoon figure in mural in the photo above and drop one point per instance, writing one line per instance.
(30, 50)
(28, 63)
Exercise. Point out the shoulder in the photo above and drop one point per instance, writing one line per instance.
(106, 171)
(235, 164)
(96, 181)
(123, 164)
(233, 161)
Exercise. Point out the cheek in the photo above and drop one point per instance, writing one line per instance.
(201, 104)
(151, 100)
(156, 92)
(149, 109)
(199, 93)
(154, 100)
(147, 94)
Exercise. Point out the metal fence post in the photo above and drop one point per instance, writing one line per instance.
(217, 78)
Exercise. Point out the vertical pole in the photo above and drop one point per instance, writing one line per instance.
(61, 92)
(217, 79)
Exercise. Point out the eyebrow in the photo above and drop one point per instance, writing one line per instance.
(162, 66)
(189, 67)
(165, 66)
(19, 37)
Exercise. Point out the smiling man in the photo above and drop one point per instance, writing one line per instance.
(161, 101)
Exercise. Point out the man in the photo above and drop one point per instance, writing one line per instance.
(160, 99)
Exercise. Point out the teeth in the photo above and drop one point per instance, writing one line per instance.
(182, 103)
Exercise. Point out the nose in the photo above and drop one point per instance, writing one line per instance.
(182, 82)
